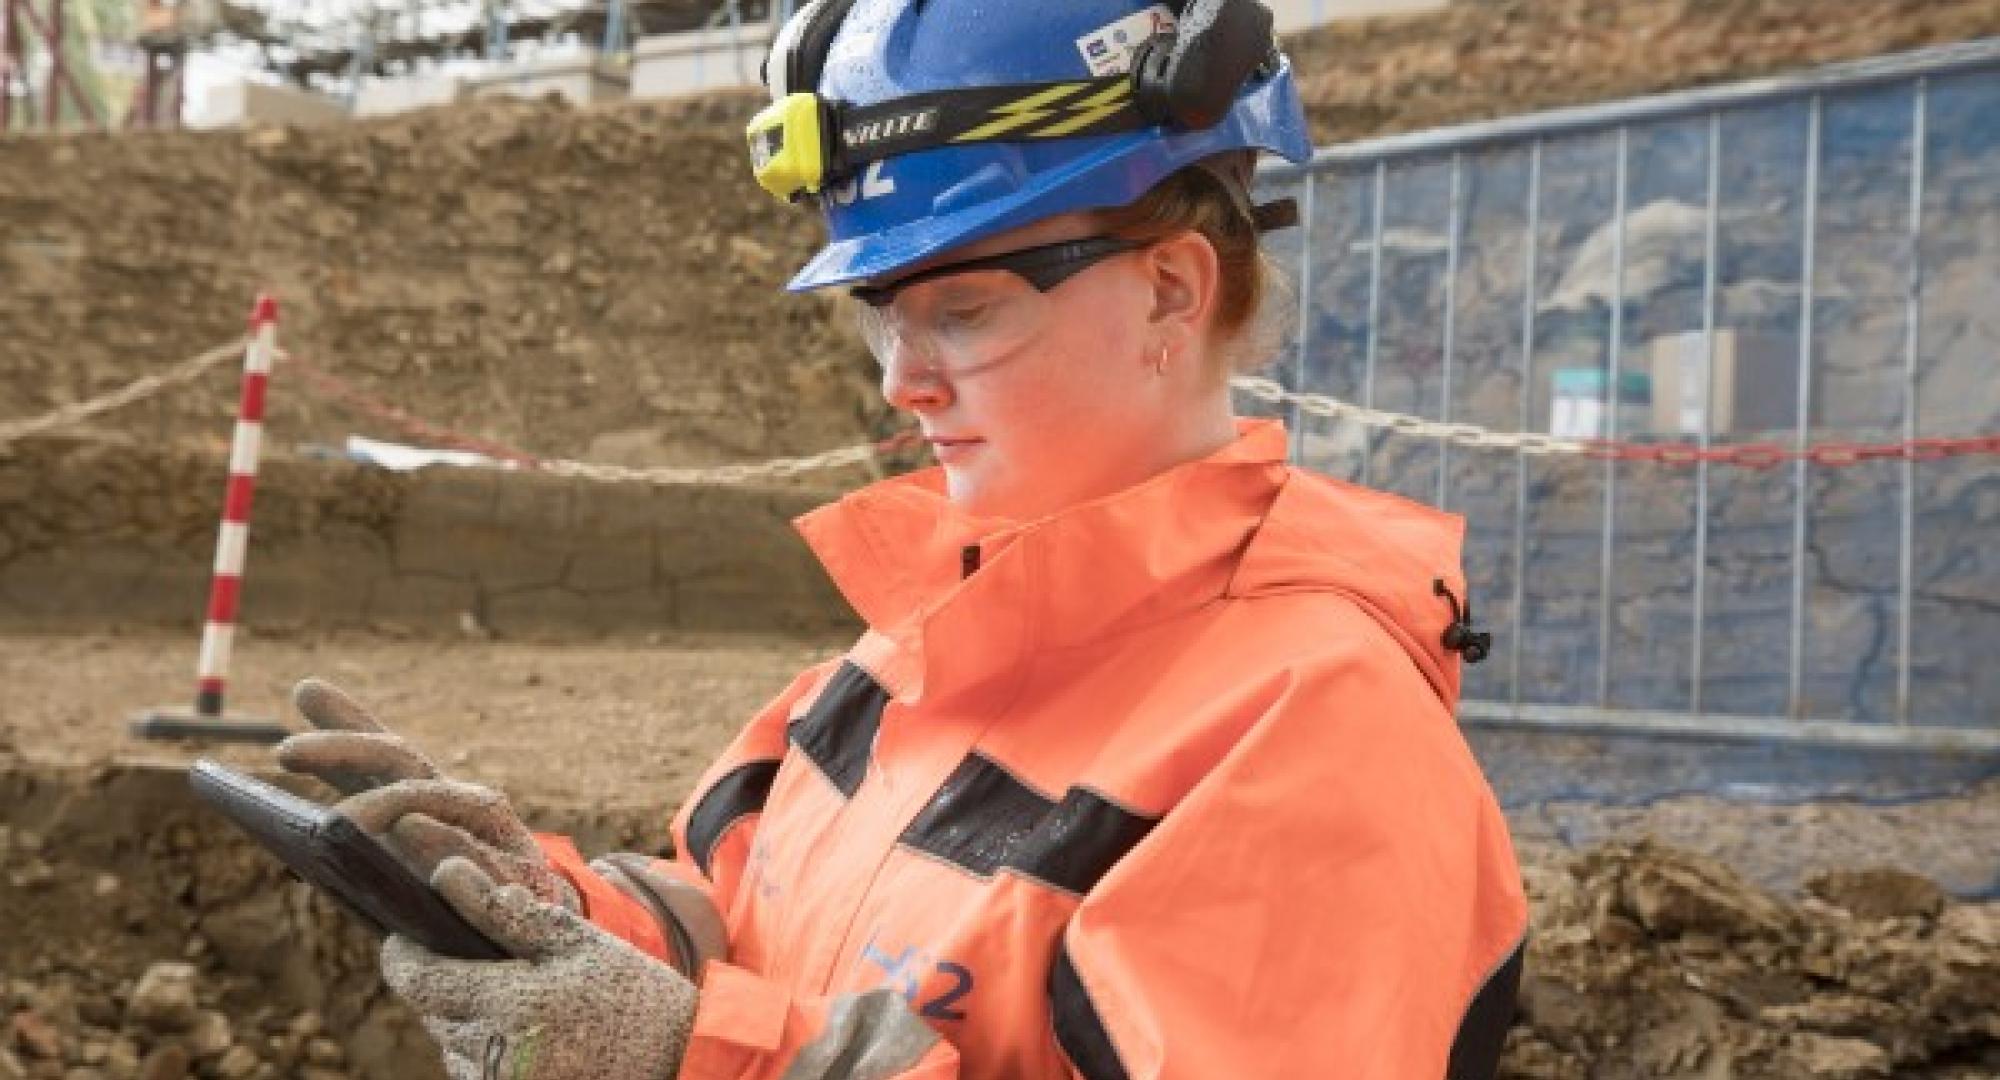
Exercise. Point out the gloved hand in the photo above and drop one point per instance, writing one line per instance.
(578, 1004)
(398, 795)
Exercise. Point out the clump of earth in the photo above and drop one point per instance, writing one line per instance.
(1648, 961)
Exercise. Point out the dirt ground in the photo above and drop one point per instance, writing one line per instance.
(119, 890)
(611, 727)
(625, 726)
(1689, 938)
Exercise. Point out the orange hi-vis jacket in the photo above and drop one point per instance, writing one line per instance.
(1165, 785)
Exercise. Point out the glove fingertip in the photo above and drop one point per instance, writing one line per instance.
(303, 750)
(513, 916)
(329, 708)
(286, 751)
(431, 841)
(458, 876)
(489, 907)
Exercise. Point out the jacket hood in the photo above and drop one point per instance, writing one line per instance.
(953, 602)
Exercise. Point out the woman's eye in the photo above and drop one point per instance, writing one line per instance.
(966, 315)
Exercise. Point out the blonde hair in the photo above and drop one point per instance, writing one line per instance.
(1250, 314)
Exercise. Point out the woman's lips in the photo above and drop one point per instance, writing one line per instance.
(949, 450)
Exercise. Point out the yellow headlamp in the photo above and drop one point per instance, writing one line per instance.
(788, 151)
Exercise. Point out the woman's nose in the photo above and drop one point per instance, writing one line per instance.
(910, 381)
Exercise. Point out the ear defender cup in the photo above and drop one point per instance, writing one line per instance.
(1152, 90)
(1190, 78)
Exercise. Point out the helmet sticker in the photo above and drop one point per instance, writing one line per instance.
(872, 184)
(1108, 49)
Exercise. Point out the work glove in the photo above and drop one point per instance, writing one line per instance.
(402, 798)
(576, 1004)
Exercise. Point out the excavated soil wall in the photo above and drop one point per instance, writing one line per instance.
(607, 283)
(1481, 59)
(578, 283)
(115, 533)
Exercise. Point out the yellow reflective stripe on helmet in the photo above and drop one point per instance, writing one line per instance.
(1088, 111)
(1028, 110)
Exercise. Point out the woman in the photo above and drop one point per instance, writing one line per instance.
(1146, 764)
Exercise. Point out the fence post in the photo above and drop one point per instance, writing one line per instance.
(1796, 706)
(1906, 549)
(1698, 628)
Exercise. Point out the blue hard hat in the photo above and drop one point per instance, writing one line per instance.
(908, 208)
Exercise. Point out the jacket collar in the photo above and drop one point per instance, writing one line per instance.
(898, 552)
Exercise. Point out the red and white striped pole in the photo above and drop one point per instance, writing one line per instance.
(226, 589)
(212, 672)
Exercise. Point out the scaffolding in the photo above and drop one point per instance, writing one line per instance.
(28, 35)
(323, 45)
(395, 38)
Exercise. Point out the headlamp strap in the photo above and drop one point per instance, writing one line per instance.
(861, 134)
(807, 61)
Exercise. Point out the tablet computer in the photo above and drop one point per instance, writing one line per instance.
(325, 848)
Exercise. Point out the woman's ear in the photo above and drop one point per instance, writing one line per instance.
(1186, 276)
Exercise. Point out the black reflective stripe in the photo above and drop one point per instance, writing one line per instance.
(838, 732)
(978, 818)
(983, 819)
(1080, 843)
(1475, 1052)
(1079, 1030)
(737, 795)
(1069, 108)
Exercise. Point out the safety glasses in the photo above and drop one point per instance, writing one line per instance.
(979, 310)
(1044, 267)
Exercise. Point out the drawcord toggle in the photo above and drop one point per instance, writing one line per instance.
(1459, 636)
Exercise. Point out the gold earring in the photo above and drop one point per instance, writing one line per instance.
(1160, 368)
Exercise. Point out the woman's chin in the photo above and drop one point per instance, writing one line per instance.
(973, 494)
(963, 489)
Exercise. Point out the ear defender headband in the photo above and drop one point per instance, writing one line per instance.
(1185, 78)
